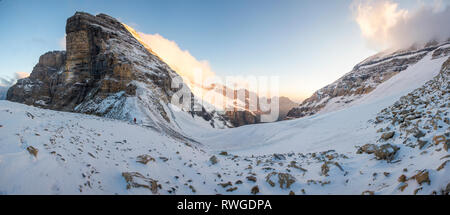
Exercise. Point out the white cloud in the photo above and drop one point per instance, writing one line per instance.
(178, 59)
(20, 75)
(384, 25)
(186, 65)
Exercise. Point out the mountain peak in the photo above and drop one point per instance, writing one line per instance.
(105, 71)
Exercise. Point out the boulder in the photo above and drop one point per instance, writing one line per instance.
(386, 152)
(285, 180)
(383, 152)
(255, 190)
(324, 169)
(368, 192)
(231, 189)
(422, 177)
(226, 184)
(419, 133)
(402, 179)
(403, 187)
(439, 139)
(213, 159)
(422, 143)
(442, 166)
(137, 180)
(33, 151)
(251, 178)
(144, 159)
(279, 156)
(387, 135)
(269, 180)
(368, 149)
(447, 190)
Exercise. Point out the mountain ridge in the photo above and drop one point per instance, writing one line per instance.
(363, 79)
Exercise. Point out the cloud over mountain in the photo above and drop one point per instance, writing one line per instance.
(385, 25)
(178, 59)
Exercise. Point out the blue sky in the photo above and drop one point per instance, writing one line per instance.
(307, 43)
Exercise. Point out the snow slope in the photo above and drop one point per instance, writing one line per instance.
(323, 131)
(401, 84)
(366, 77)
(81, 154)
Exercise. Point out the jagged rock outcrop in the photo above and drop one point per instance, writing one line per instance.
(364, 78)
(105, 71)
(44, 83)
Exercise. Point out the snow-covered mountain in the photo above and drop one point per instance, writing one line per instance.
(365, 77)
(247, 112)
(107, 72)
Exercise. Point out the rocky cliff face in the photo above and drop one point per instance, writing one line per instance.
(105, 71)
(364, 78)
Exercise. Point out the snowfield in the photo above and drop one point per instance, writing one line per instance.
(340, 129)
(50, 152)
